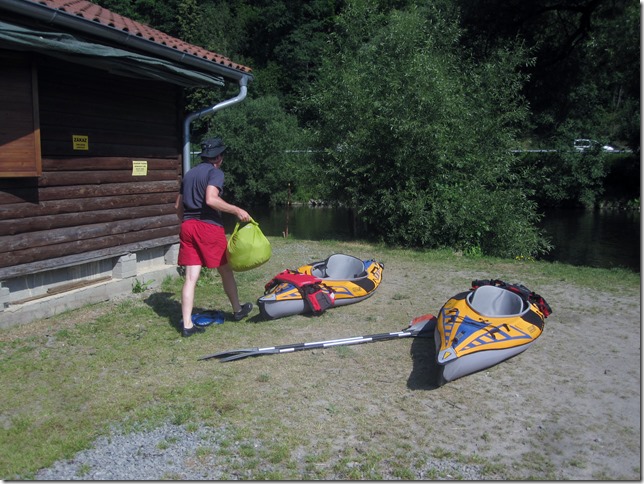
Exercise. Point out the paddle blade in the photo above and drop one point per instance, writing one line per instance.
(423, 326)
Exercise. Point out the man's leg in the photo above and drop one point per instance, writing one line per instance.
(230, 286)
(188, 294)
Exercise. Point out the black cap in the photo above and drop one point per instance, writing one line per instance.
(210, 148)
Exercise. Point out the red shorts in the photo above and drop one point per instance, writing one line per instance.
(202, 244)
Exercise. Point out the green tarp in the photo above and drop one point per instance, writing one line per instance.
(118, 61)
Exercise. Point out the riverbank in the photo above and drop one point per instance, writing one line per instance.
(114, 386)
(580, 237)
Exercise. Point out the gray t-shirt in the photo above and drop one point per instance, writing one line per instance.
(193, 191)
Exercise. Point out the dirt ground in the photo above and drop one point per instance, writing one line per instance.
(568, 408)
(570, 403)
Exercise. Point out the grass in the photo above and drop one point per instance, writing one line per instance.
(71, 378)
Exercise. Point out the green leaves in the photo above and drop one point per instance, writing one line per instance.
(264, 155)
(416, 106)
(418, 133)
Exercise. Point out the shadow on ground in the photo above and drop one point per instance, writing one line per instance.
(164, 304)
(424, 373)
(167, 308)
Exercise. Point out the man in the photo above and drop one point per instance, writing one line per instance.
(202, 238)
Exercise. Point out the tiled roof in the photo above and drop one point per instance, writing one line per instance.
(94, 13)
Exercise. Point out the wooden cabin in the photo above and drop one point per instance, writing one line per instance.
(92, 143)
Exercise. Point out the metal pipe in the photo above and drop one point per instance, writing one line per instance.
(186, 162)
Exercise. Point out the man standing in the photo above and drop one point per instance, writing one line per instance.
(202, 238)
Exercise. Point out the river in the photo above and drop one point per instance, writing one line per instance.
(603, 239)
(594, 238)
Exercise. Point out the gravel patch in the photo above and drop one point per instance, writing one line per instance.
(171, 452)
(167, 452)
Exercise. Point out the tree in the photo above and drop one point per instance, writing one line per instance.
(258, 165)
(159, 14)
(187, 20)
(285, 40)
(585, 78)
(417, 134)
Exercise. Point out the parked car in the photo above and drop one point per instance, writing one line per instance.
(584, 144)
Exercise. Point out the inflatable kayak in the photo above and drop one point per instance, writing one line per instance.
(485, 326)
(312, 288)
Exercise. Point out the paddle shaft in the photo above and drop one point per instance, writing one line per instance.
(290, 348)
(415, 327)
(320, 345)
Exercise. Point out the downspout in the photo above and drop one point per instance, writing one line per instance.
(243, 84)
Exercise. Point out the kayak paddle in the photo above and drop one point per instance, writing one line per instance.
(422, 324)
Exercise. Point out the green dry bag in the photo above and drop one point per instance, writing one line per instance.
(248, 247)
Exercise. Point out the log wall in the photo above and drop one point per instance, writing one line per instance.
(89, 200)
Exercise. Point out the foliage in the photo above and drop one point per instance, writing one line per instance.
(565, 177)
(161, 15)
(221, 26)
(568, 178)
(414, 94)
(419, 133)
(141, 286)
(286, 40)
(585, 81)
(259, 165)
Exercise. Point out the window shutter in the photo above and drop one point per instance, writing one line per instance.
(19, 125)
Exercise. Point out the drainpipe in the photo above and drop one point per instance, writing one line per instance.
(243, 84)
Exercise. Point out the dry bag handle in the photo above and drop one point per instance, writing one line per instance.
(251, 221)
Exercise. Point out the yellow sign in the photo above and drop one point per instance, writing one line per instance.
(80, 142)
(139, 168)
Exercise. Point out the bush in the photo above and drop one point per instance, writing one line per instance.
(418, 135)
(259, 164)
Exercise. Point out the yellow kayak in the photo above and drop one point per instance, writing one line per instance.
(339, 280)
(486, 325)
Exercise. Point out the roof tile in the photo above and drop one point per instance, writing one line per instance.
(103, 16)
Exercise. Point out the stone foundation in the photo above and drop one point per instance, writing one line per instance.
(44, 294)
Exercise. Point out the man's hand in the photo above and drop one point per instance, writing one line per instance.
(243, 215)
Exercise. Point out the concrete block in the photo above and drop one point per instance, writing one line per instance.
(4, 297)
(52, 305)
(125, 267)
(172, 255)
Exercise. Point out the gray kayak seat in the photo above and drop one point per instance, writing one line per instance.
(340, 267)
(496, 302)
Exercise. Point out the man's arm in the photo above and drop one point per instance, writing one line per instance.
(214, 201)
(178, 206)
